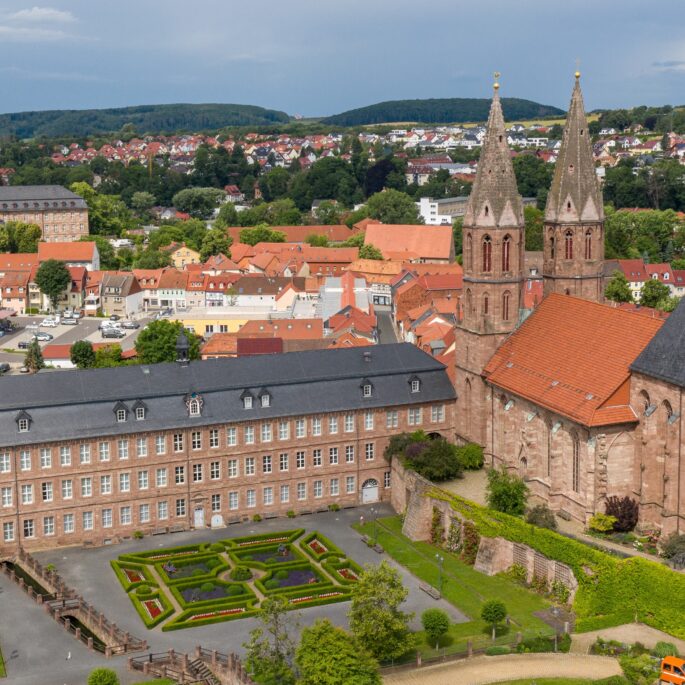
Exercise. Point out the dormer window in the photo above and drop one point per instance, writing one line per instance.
(121, 413)
(266, 400)
(194, 407)
(140, 413)
(23, 425)
(247, 402)
(367, 388)
(415, 384)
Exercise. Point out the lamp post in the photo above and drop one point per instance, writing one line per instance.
(441, 560)
(374, 512)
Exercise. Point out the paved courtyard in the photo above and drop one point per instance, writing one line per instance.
(90, 573)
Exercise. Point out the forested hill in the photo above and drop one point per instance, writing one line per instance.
(443, 111)
(144, 119)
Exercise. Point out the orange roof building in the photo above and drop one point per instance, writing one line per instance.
(412, 243)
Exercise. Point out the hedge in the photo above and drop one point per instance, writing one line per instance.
(331, 566)
(118, 567)
(167, 608)
(260, 583)
(291, 535)
(318, 601)
(331, 549)
(182, 620)
(608, 586)
(239, 556)
(587, 625)
(176, 592)
(145, 557)
(187, 561)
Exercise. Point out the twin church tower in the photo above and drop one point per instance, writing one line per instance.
(494, 249)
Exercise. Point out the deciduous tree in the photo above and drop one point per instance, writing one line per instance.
(52, 278)
(436, 623)
(33, 360)
(618, 288)
(82, 354)
(506, 492)
(216, 241)
(654, 294)
(393, 207)
(157, 342)
(493, 612)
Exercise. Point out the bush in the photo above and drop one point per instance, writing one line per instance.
(334, 507)
(517, 574)
(639, 670)
(673, 545)
(138, 534)
(471, 456)
(256, 518)
(506, 492)
(216, 547)
(625, 510)
(436, 460)
(234, 590)
(143, 591)
(281, 575)
(206, 587)
(545, 644)
(470, 543)
(271, 584)
(436, 623)
(240, 573)
(197, 572)
(541, 515)
(602, 523)
(560, 592)
(103, 676)
(437, 529)
(497, 651)
(664, 649)
(290, 514)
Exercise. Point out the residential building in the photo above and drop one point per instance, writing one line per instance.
(411, 243)
(120, 294)
(83, 254)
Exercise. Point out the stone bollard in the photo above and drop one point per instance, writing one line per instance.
(108, 652)
(162, 671)
(214, 657)
(67, 623)
(90, 643)
(469, 648)
(566, 628)
(129, 664)
(172, 656)
(39, 599)
(198, 651)
(77, 633)
(146, 667)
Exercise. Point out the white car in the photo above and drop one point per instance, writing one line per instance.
(48, 323)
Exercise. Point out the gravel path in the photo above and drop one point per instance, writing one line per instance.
(629, 633)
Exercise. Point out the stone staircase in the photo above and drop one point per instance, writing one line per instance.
(200, 671)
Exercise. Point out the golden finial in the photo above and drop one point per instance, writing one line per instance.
(577, 68)
(495, 85)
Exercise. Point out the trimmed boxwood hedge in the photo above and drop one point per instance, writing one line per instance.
(118, 569)
(239, 557)
(167, 608)
(343, 597)
(220, 566)
(191, 582)
(144, 557)
(331, 549)
(292, 535)
(182, 620)
(608, 586)
(331, 566)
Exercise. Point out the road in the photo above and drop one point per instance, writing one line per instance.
(386, 331)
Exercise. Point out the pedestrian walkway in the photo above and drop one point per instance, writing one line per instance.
(628, 633)
(496, 669)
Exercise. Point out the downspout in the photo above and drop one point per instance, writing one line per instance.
(680, 459)
(492, 427)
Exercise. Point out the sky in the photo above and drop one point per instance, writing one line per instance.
(319, 57)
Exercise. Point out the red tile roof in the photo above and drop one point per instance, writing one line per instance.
(397, 241)
(288, 329)
(67, 252)
(21, 261)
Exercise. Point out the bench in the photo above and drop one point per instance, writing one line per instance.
(369, 543)
(563, 514)
(271, 515)
(160, 531)
(430, 590)
(176, 529)
(233, 519)
(305, 512)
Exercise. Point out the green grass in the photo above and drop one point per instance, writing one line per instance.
(464, 587)
(3, 673)
(548, 681)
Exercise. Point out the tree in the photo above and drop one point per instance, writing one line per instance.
(618, 288)
(142, 202)
(506, 492)
(82, 354)
(228, 216)
(533, 221)
(17, 236)
(370, 252)
(103, 676)
(328, 213)
(198, 202)
(108, 258)
(151, 259)
(52, 278)
(375, 616)
(108, 357)
(274, 184)
(533, 177)
(328, 655)
(33, 360)
(493, 612)
(270, 652)
(654, 294)
(157, 342)
(437, 460)
(261, 234)
(393, 207)
(107, 214)
(317, 240)
(215, 242)
(436, 623)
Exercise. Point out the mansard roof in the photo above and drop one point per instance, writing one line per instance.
(574, 194)
(72, 405)
(494, 199)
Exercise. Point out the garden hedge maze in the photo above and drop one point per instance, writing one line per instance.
(195, 585)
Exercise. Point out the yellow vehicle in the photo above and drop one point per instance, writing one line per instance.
(672, 671)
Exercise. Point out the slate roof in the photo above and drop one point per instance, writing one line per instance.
(79, 404)
(664, 357)
(38, 193)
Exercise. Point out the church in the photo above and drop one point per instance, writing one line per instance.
(581, 399)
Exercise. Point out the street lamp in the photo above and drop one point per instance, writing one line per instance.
(441, 560)
(374, 512)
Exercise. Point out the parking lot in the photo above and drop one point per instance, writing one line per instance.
(86, 329)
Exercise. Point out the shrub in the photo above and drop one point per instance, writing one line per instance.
(290, 514)
(436, 460)
(602, 523)
(639, 670)
(497, 651)
(203, 547)
(271, 584)
(334, 507)
(471, 456)
(539, 584)
(436, 623)
(545, 644)
(470, 543)
(664, 649)
(206, 587)
(673, 545)
(103, 676)
(216, 547)
(281, 575)
(517, 574)
(506, 492)
(234, 590)
(453, 542)
(541, 515)
(138, 534)
(625, 510)
(256, 518)
(240, 573)
(197, 572)
(612, 680)
(143, 591)
(560, 592)
(437, 529)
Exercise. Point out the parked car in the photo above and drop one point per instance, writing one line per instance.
(70, 322)
(4, 367)
(23, 369)
(1, 332)
(130, 324)
(33, 326)
(23, 345)
(43, 337)
(108, 324)
(48, 323)
(111, 332)
(114, 317)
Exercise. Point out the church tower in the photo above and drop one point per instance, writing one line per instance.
(493, 250)
(574, 215)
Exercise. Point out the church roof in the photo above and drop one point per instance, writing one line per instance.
(664, 357)
(494, 199)
(575, 179)
(573, 357)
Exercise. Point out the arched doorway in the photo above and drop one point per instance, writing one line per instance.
(370, 491)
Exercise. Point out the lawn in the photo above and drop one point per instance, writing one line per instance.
(549, 681)
(463, 587)
(3, 673)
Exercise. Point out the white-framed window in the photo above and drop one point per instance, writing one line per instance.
(332, 425)
(180, 507)
(178, 442)
(8, 531)
(46, 491)
(140, 413)
(122, 449)
(247, 402)
(125, 515)
(284, 430)
(65, 455)
(318, 488)
(216, 502)
(106, 485)
(268, 495)
(161, 478)
(25, 460)
(266, 432)
(251, 498)
(349, 423)
(232, 468)
(300, 428)
(386, 479)
(349, 454)
(414, 416)
(86, 486)
(266, 400)
(249, 435)
(197, 473)
(144, 513)
(283, 461)
(415, 385)
(267, 465)
(332, 455)
(233, 500)
(143, 480)
(84, 454)
(29, 528)
(285, 494)
(106, 517)
(5, 463)
(180, 475)
(67, 489)
(194, 407)
(231, 437)
(196, 440)
(141, 447)
(23, 425)
(48, 525)
(335, 487)
(162, 511)
(68, 523)
(27, 494)
(437, 413)
(368, 420)
(349, 485)
(6, 496)
(103, 451)
(369, 451)
(316, 457)
(301, 491)
(366, 390)
(160, 444)
(300, 460)
(213, 438)
(45, 458)
(124, 482)
(316, 426)
(87, 520)
(215, 470)
(250, 467)
(392, 418)
(121, 415)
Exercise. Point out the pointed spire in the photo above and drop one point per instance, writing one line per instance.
(494, 199)
(575, 195)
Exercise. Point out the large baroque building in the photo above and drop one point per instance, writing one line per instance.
(583, 400)
(61, 214)
(91, 456)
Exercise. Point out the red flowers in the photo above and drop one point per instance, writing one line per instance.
(153, 608)
(317, 547)
(133, 576)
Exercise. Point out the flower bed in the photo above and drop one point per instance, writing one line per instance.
(320, 547)
(133, 576)
(347, 574)
(153, 607)
(310, 598)
(247, 543)
(223, 612)
(317, 547)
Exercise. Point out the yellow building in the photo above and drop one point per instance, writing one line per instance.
(181, 255)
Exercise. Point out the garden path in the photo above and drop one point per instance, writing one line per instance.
(628, 633)
(481, 670)
(165, 589)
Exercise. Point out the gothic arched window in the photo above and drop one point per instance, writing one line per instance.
(468, 262)
(506, 297)
(568, 245)
(486, 304)
(588, 244)
(576, 464)
(506, 253)
(487, 253)
(469, 303)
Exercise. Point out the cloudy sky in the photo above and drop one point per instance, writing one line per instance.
(316, 57)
